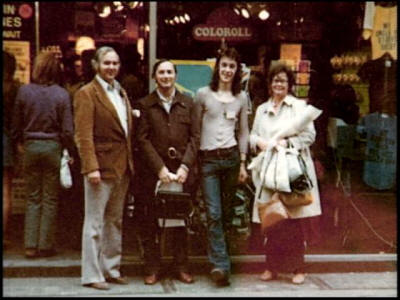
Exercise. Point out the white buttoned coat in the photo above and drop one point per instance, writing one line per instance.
(266, 124)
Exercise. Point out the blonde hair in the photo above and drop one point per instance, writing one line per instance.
(47, 69)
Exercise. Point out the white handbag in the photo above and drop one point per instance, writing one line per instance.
(293, 165)
(65, 172)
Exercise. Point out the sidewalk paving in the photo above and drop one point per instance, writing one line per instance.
(361, 275)
(68, 263)
(367, 284)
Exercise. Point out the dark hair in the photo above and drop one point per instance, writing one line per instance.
(155, 67)
(87, 69)
(10, 65)
(279, 68)
(47, 69)
(343, 104)
(232, 54)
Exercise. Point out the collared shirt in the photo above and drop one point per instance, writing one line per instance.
(114, 95)
(270, 105)
(165, 101)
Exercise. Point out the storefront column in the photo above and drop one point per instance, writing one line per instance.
(152, 40)
(37, 38)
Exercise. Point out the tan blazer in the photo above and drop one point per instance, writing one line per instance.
(99, 136)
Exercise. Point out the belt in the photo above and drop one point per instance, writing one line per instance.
(220, 152)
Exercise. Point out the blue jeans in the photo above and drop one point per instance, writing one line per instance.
(219, 179)
(42, 179)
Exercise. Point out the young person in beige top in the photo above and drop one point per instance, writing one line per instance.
(221, 106)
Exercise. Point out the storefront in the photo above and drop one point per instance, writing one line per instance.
(344, 57)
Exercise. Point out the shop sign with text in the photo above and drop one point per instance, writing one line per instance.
(222, 23)
(18, 21)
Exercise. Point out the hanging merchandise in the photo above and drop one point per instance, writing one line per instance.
(347, 68)
(381, 154)
(381, 74)
(380, 24)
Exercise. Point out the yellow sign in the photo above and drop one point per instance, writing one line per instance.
(291, 52)
(20, 50)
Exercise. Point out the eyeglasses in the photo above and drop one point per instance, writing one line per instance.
(282, 81)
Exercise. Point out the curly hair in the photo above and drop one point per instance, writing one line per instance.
(232, 54)
(279, 68)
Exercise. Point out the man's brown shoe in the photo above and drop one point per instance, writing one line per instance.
(117, 280)
(31, 253)
(98, 285)
(150, 279)
(185, 277)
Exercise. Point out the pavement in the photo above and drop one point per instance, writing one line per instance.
(363, 266)
(368, 275)
(381, 284)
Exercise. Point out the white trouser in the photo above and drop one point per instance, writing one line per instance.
(102, 229)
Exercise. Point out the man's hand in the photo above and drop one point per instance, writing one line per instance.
(181, 175)
(243, 173)
(164, 175)
(94, 177)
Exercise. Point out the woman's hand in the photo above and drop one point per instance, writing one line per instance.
(243, 173)
(262, 144)
(283, 143)
(94, 177)
(20, 148)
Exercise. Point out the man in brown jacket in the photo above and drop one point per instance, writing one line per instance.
(103, 129)
(168, 139)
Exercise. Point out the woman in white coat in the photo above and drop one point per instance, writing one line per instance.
(285, 245)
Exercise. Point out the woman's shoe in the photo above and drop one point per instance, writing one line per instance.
(299, 278)
(268, 275)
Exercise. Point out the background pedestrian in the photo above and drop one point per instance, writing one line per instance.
(42, 126)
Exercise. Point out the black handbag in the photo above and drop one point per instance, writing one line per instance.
(302, 183)
(173, 205)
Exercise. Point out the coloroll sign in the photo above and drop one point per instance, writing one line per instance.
(222, 23)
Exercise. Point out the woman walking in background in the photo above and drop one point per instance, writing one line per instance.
(222, 106)
(41, 127)
(285, 241)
